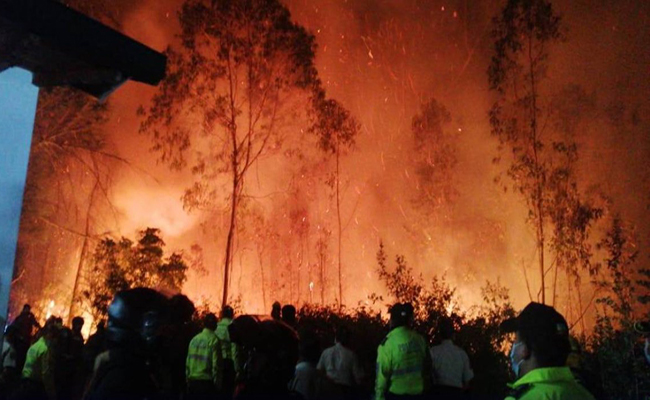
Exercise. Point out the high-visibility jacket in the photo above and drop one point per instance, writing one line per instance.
(403, 364)
(204, 358)
(229, 350)
(548, 383)
(39, 366)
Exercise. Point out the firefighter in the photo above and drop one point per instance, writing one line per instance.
(204, 366)
(38, 372)
(539, 355)
(403, 363)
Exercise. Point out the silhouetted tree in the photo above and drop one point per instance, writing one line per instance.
(522, 34)
(336, 130)
(243, 74)
(123, 264)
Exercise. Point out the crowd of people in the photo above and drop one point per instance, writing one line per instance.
(152, 348)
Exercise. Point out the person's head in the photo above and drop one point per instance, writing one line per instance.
(398, 315)
(101, 326)
(10, 334)
(541, 339)
(27, 309)
(309, 347)
(276, 310)
(342, 336)
(135, 318)
(289, 314)
(210, 321)
(227, 312)
(51, 329)
(77, 324)
(446, 328)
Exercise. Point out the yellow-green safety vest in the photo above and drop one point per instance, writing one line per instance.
(39, 366)
(555, 383)
(204, 360)
(403, 364)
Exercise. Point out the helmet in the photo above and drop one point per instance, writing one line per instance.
(135, 316)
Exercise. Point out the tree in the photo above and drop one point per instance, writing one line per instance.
(69, 173)
(522, 34)
(236, 84)
(336, 130)
(123, 264)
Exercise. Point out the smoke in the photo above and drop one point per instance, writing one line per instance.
(382, 60)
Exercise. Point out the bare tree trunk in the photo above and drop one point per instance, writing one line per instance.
(338, 215)
(84, 251)
(259, 256)
(538, 178)
(229, 242)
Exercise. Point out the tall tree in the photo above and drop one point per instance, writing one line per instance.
(240, 78)
(522, 35)
(336, 130)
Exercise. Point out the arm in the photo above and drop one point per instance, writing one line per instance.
(217, 364)
(47, 360)
(383, 373)
(357, 371)
(468, 374)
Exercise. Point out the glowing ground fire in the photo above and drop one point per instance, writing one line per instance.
(424, 176)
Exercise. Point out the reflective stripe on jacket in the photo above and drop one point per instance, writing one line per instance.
(402, 364)
(204, 358)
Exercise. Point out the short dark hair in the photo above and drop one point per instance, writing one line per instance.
(77, 320)
(227, 312)
(446, 328)
(210, 321)
(343, 335)
(289, 313)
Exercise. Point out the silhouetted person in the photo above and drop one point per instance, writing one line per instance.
(95, 345)
(276, 311)
(231, 353)
(180, 332)
(307, 380)
(38, 380)
(24, 324)
(450, 364)
(341, 365)
(539, 354)
(135, 318)
(289, 316)
(10, 374)
(204, 362)
(272, 353)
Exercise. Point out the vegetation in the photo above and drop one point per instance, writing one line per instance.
(123, 264)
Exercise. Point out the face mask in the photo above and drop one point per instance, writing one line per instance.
(515, 365)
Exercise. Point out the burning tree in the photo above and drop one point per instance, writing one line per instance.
(540, 131)
(242, 76)
(522, 32)
(336, 131)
